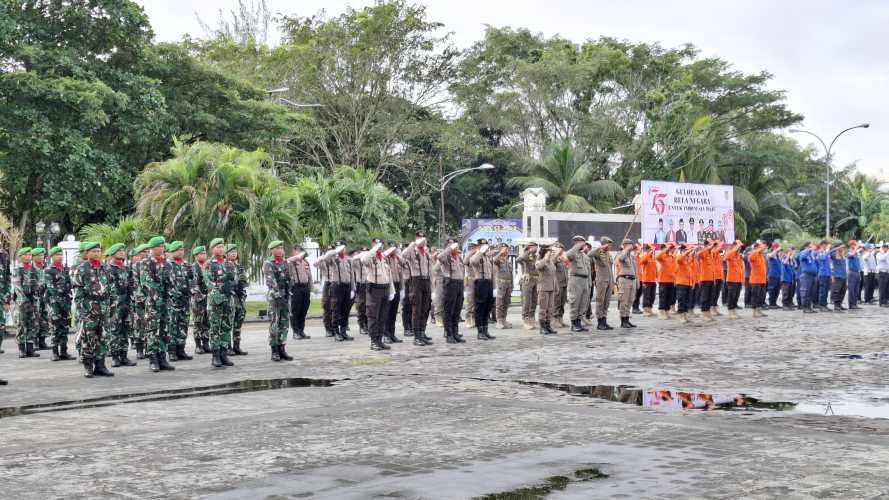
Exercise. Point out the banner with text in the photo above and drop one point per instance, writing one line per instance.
(686, 213)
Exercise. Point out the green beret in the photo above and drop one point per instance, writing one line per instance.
(216, 241)
(38, 250)
(176, 245)
(54, 250)
(141, 248)
(23, 251)
(230, 247)
(113, 249)
(83, 245)
(156, 242)
(89, 245)
(275, 244)
(198, 249)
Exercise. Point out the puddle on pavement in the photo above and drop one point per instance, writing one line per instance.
(669, 399)
(871, 355)
(250, 385)
(549, 485)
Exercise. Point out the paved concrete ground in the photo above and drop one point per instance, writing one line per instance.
(452, 422)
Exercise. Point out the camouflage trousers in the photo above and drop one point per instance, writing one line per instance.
(200, 324)
(279, 322)
(239, 311)
(220, 318)
(137, 321)
(155, 321)
(93, 340)
(42, 320)
(27, 322)
(177, 322)
(59, 323)
(117, 327)
(2, 325)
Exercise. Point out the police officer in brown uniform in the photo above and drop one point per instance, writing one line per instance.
(437, 291)
(379, 291)
(578, 283)
(547, 288)
(396, 271)
(483, 267)
(527, 258)
(327, 312)
(300, 291)
(360, 298)
(452, 272)
(469, 284)
(562, 293)
(419, 260)
(626, 282)
(503, 285)
(604, 281)
(339, 275)
(407, 316)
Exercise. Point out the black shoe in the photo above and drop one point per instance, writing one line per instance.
(418, 340)
(55, 353)
(303, 336)
(576, 327)
(329, 333)
(41, 344)
(100, 370)
(171, 350)
(362, 330)
(23, 351)
(115, 361)
(392, 338)
(63, 352)
(450, 339)
(198, 347)
(545, 329)
(607, 326)
(3, 382)
(550, 329)
(283, 353)
(481, 334)
(809, 310)
(29, 350)
(383, 344)
(215, 362)
(376, 346)
(140, 350)
(205, 344)
(153, 363)
(854, 307)
(88, 367)
(625, 323)
(408, 332)
(223, 357)
(124, 360)
(422, 335)
(236, 349)
(162, 362)
(600, 325)
(181, 354)
(344, 335)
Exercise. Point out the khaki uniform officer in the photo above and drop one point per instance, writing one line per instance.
(562, 292)
(503, 285)
(604, 281)
(530, 275)
(547, 288)
(469, 285)
(578, 283)
(626, 282)
(379, 290)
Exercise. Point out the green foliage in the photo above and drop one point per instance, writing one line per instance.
(131, 231)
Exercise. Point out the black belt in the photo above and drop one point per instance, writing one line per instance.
(376, 286)
(420, 278)
(627, 276)
(459, 280)
(301, 285)
(579, 276)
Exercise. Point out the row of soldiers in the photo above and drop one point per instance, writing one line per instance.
(142, 298)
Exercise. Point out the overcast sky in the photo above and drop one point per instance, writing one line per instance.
(830, 56)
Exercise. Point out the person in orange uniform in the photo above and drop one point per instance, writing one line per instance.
(666, 280)
(757, 278)
(718, 277)
(648, 278)
(684, 280)
(705, 256)
(734, 278)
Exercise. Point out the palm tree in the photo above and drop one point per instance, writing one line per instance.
(862, 201)
(567, 177)
(130, 231)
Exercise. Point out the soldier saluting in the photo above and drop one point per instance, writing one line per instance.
(578, 283)
(419, 261)
(527, 257)
(604, 281)
(340, 279)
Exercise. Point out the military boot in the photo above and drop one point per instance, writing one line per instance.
(392, 338)
(29, 350)
(419, 340)
(171, 350)
(236, 348)
(162, 362)
(3, 382)
(625, 323)
(63, 352)
(100, 369)
(87, 367)
(181, 354)
(546, 329)
(55, 353)
(140, 349)
(115, 360)
(223, 356)
(205, 343)
(283, 353)
(362, 330)
(124, 360)
(41, 344)
(215, 362)
(198, 347)
(576, 326)
(344, 335)
(153, 363)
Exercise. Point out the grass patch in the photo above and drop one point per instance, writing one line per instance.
(541, 490)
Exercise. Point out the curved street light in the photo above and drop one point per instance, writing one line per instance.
(827, 160)
(445, 179)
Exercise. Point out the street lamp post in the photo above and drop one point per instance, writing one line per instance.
(827, 160)
(445, 179)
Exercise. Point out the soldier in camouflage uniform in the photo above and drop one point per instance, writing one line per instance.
(200, 325)
(239, 298)
(178, 297)
(118, 319)
(277, 279)
(38, 259)
(94, 291)
(75, 287)
(5, 294)
(153, 280)
(26, 287)
(220, 281)
(137, 308)
(58, 302)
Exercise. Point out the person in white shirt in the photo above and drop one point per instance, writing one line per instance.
(869, 265)
(882, 258)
